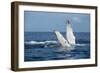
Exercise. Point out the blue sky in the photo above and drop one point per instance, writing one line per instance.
(49, 21)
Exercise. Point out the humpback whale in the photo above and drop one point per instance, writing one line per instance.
(70, 38)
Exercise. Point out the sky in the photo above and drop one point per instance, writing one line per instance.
(38, 21)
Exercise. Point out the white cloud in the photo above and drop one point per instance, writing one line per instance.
(77, 19)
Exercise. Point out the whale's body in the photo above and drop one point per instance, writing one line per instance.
(70, 38)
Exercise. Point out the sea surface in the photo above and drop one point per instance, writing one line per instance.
(43, 46)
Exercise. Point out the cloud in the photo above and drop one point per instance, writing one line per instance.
(76, 19)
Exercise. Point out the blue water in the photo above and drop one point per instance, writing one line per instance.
(43, 46)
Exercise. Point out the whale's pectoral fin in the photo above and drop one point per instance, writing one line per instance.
(61, 39)
(70, 34)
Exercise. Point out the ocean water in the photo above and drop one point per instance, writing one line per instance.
(43, 46)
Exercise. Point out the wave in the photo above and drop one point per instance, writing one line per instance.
(44, 44)
(41, 42)
(81, 44)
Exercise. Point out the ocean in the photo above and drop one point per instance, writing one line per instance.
(44, 46)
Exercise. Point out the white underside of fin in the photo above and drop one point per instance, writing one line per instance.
(70, 35)
(62, 40)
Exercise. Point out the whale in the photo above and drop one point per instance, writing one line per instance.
(70, 37)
